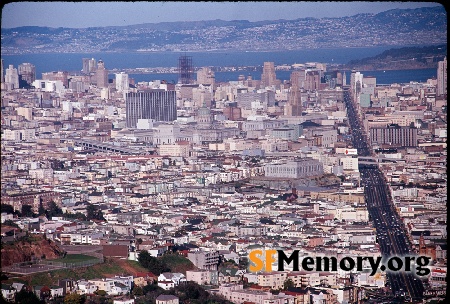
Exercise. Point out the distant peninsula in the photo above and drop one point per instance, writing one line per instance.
(401, 59)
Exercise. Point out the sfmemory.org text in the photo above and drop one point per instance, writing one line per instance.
(263, 260)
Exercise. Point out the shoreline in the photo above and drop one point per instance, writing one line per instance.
(215, 51)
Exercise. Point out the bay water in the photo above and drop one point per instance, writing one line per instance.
(72, 62)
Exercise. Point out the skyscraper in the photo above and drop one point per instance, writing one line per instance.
(89, 65)
(63, 76)
(312, 80)
(206, 76)
(298, 78)
(185, 70)
(268, 76)
(159, 105)
(122, 82)
(11, 78)
(356, 81)
(27, 72)
(85, 68)
(101, 75)
(441, 88)
(294, 106)
(3, 73)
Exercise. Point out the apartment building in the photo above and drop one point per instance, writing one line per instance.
(204, 259)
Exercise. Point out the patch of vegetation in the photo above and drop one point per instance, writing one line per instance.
(101, 270)
(189, 292)
(10, 223)
(170, 262)
(177, 263)
(135, 265)
(75, 258)
(108, 268)
(94, 212)
(25, 297)
(153, 264)
(49, 278)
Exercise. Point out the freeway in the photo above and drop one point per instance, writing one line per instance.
(391, 233)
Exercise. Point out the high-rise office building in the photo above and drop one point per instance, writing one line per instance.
(268, 76)
(11, 78)
(27, 72)
(370, 82)
(298, 78)
(245, 100)
(185, 70)
(122, 82)
(3, 73)
(89, 65)
(101, 75)
(356, 82)
(339, 79)
(441, 88)
(294, 106)
(394, 135)
(159, 105)
(312, 80)
(206, 76)
(85, 68)
(92, 65)
(63, 76)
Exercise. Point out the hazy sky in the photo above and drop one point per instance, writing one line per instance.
(92, 14)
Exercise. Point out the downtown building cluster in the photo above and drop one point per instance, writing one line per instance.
(220, 169)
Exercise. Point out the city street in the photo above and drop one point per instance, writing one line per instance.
(390, 231)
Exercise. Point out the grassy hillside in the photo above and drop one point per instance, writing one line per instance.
(177, 263)
(109, 268)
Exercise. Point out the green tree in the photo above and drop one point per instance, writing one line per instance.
(100, 292)
(288, 284)
(77, 216)
(74, 298)
(27, 297)
(27, 211)
(41, 210)
(151, 295)
(5, 208)
(98, 299)
(138, 291)
(243, 263)
(153, 264)
(191, 291)
(53, 210)
(151, 287)
(94, 213)
(10, 223)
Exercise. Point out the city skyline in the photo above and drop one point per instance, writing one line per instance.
(87, 14)
(300, 159)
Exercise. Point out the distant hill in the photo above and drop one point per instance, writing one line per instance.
(390, 28)
(402, 58)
